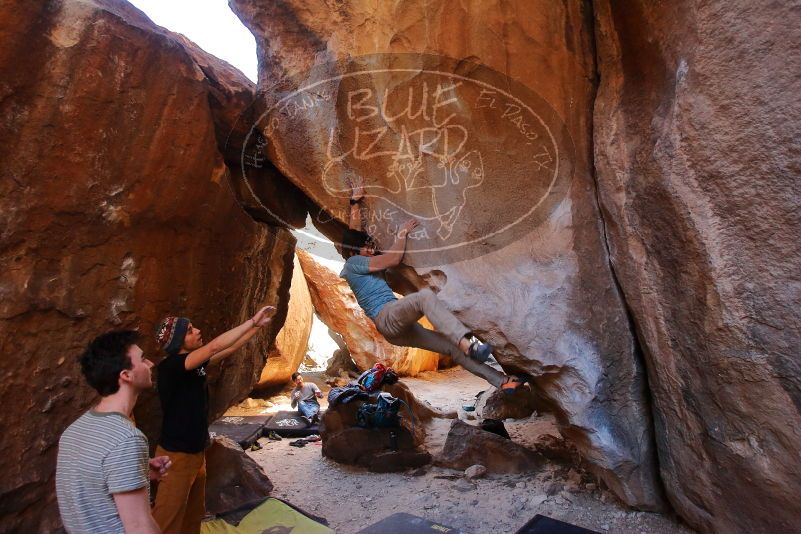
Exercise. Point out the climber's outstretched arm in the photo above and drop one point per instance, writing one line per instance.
(394, 255)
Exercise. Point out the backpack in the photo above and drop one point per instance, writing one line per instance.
(372, 379)
(382, 414)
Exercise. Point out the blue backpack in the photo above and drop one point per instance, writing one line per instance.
(382, 414)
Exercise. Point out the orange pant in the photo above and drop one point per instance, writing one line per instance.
(181, 495)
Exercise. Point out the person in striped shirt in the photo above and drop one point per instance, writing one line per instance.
(103, 470)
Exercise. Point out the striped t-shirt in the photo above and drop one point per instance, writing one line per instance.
(100, 454)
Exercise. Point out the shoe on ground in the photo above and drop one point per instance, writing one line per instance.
(480, 351)
(273, 435)
(298, 443)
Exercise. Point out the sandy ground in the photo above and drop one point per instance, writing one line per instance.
(352, 498)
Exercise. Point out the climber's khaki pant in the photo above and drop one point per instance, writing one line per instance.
(181, 495)
(397, 322)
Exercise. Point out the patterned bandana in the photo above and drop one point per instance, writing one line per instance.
(171, 332)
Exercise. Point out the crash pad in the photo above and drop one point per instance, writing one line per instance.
(541, 524)
(402, 523)
(270, 516)
(290, 425)
(245, 430)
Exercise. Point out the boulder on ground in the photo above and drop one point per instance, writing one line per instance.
(499, 405)
(379, 449)
(233, 479)
(468, 445)
(341, 365)
(475, 471)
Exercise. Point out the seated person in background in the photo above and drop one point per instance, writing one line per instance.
(305, 396)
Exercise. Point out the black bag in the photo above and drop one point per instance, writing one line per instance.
(381, 414)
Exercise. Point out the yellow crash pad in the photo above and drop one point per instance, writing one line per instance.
(269, 515)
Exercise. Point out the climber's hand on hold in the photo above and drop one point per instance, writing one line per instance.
(356, 184)
(407, 227)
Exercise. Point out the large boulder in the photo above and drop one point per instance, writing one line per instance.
(477, 120)
(381, 450)
(234, 480)
(468, 445)
(290, 345)
(114, 211)
(341, 365)
(697, 150)
(337, 308)
(495, 404)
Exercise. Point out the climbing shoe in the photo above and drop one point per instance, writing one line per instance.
(512, 385)
(273, 435)
(480, 351)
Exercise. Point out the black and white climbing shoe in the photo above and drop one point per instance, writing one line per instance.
(480, 351)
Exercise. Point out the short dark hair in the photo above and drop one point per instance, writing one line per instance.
(353, 241)
(106, 357)
(295, 376)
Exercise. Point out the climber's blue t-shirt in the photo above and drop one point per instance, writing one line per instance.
(371, 289)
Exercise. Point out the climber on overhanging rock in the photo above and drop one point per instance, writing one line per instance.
(395, 318)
